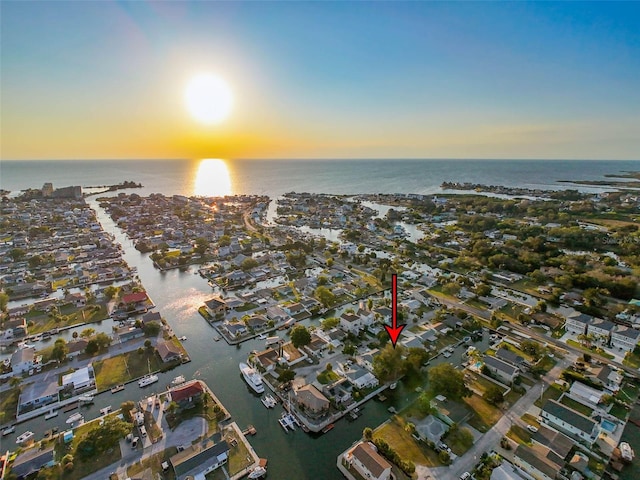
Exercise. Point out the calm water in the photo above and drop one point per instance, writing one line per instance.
(276, 177)
(178, 294)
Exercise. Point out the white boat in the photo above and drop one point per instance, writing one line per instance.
(268, 401)
(258, 472)
(117, 388)
(76, 417)
(147, 380)
(393, 386)
(105, 410)
(85, 399)
(283, 424)
(288, 420)
(51, 414)
(178, 380)
(262, 336)
(182, 338)
(626, 452)
(252, 378)
(8, 430)
(25, 437)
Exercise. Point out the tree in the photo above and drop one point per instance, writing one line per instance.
(287, 376)
(87, 332)
(493, 395)
(17, 254)
(424, 404)
(416, 358)
(445, 380)
(60, 350)
(103, 340)
(249, 263)
(367, 433)
(329, 323)
(102, 438)
(300, 336)
(110, 292)
(324, 296)
(75, 335)
(388, 365)
(148, 345)
(126, 407)
(4, 300)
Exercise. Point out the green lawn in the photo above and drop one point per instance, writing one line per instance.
(404, 444)
(619, 412)
(237, 453)
(123, 368)
(632, 360)
(154, 462)
(579, 346)
(547, 363)
(553, 392)
(486, 415)
(519, 435)
(327, 376)
(459, 441)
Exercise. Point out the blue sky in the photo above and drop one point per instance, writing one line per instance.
(323, 79)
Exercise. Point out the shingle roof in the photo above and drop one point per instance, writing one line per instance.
(371, 459)
(569, 416)
(499, 365)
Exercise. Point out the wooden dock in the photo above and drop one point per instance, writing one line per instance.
(250, 430)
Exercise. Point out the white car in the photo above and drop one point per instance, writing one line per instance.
(465, 476)
(531, 428)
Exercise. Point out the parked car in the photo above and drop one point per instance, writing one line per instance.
(134, 442)
(532, 428)
(465, 476)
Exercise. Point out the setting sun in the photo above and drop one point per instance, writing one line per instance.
(212, 178)
(208, 98)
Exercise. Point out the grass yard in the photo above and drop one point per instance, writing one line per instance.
(577, 406)
(630, 390)
(9, 404)
(531, 420)
(327, 376)
(547, 363)
(599, 351)
(553, 392)
(404, 444)
(519, 435)
(631, 360)
(238, 453)
(203, 409)
(486, 415)
(619, 412)
(154, 462)
(460, 440)
(123, 368)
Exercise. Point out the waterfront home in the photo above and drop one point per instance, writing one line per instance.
(16, 328)
(537, 461)
(367, 462)
(168, 352)
(431, 428)
(80, 380)
(277, 314)
(366, 359)
(360, 377)
(235, 329)
(38, 394)
(350, 323)
(267, 359)
(503, 370)
(196, 461)
(76, 347)
(508, 356)
(625, 338)
(450, 412)
(151, 317)
(311, 401)
(187, 395)
(578, 323)
(23, 360)
(125, 334)
(215, 306)
(17, 312)
(32, 461)
(316, 346)
(137, 300)
(257, 322)
(570, 421)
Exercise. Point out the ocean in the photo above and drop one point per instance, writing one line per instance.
(275, 177)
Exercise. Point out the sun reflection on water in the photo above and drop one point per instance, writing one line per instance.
(212, 178)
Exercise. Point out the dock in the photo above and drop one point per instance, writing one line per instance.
(71, 406)
(250, 430)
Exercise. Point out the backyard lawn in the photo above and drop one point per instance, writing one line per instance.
(577, 406)
(122, 368)
(486, 415)
(154, 462)
(553, 392)
(404, 444)
(9, 404)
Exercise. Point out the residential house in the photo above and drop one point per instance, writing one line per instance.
(187, 395)
(80, 380)
(538, 461)
(625, 338)
(450, 412)
(215, 306)
(508, 356)
(431, 428)
(267, 359)
(16, 328)
(360, 377)
(38, 394)
(23, 360)
(311, 400)
(350, 323)
(502, 370)
(317, 345)
(601, 330)
(555, 441)
(257, 322)
(168, 352)
(196, 461)
(570, 421)
(366, 359)
(235, 329)
(607, 377)
(31, 461)
(76, 347)
(129, 333)
(365, 459)
(578, 323)
(585, 394)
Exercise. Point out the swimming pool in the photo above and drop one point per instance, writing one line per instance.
(608, 426)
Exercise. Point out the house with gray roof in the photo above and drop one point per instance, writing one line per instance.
(31, 461)
(501, 369)
(200, 459)
(569, 421)
(578, 323)
(625, 338)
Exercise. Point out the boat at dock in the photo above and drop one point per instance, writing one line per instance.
(85, 399)
(76, 417)
(51, 414)
(178, 380)
(182, 338)
(252, 377)
(258, 472)
(268, 401)
(105, 410)
(626, 452)
(24, 438)
(288, 420)
(147, 380)
(328, 428)
(283, 424)
(8, 430)
(117, 388)
(216, 338)
(69, 407)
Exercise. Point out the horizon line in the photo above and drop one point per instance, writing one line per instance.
(324, 159)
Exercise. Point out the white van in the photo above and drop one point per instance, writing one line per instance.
(143, 431)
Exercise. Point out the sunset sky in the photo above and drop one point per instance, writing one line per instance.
(322, 80)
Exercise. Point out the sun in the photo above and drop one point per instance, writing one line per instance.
(208, 98)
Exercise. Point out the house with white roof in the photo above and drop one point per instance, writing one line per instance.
(585, 394)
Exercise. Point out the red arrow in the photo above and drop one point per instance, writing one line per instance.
(394, 330)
